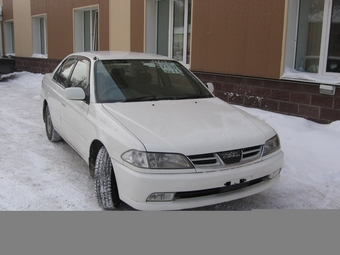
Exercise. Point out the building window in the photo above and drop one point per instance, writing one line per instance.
(39, 35)
(86, 29)
(316, 30)
(9, 37)
(169, 28)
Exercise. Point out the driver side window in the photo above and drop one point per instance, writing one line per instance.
(81, 76)
(63, 73)
(75, 72)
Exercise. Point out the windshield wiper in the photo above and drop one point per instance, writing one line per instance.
(158, 98)
(193, 96)
(145, 98)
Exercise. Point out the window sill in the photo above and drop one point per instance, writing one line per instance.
(292, 74)
(37, 55)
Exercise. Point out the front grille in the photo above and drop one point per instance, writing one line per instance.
(227, 157)
(221, 190)
(231, 157)
(204, 159)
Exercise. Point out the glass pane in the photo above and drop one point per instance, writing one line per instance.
(64, 71)
(145, 80)
(163, 28)
(178, 34)
(87, 31)
(333, 59)
(309, 35)
(189, 32)
(95, 30)
(42, 35)
(80, 75)
(12, 37)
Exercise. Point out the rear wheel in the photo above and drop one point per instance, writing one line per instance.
(52, 135)
(105, 181)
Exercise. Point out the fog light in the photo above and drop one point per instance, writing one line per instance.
(274, 174)
(161, 197)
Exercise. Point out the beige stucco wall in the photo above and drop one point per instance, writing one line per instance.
(119, 34)
(22, 28)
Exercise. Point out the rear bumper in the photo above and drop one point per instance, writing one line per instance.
(134, 187)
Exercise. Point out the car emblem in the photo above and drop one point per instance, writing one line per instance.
(230, 157)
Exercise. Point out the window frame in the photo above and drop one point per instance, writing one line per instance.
(79, 29)
(292, 27)
(152, 27)
(39, 39)
(9, 37)
(67, 82)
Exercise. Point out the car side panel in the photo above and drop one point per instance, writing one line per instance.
(73, 119)
(100, 125)
(54, 95)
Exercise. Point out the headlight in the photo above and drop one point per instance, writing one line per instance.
(136, 158)
(271, 145)
(156, 160)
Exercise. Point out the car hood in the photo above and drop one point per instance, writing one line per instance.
(190, 126)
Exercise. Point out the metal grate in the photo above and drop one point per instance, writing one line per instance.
(227, 157)
(204, 159)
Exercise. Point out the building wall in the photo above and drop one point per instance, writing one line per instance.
(300, 99)
(38, 7)
(238, 37)
(59, 28)
(23, 28)
(59, 22)
(7, 10)
(239, 45)
(137, 32)
(120, 20)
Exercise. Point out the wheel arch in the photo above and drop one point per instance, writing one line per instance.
(44, 110)
(94, 149)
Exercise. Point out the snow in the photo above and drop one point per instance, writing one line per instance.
(294, 75)
(38, 175)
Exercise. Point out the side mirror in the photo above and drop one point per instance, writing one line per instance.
(210, 87)
(74, 93)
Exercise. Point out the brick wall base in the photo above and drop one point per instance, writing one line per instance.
(36, 65)
(286, 97)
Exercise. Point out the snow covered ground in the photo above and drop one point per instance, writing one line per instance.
(37, 175)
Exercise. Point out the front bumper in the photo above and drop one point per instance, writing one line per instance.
(135, 187)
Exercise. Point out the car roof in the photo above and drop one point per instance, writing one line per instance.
(106, 55)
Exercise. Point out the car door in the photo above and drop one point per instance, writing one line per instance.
(74, 112)
(55, 97)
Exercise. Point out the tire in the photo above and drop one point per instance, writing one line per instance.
(52, 135)
(105, 181)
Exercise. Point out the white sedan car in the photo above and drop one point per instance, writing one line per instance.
(153, 135)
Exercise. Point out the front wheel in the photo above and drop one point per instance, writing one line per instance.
(52, 135)
(105, 181)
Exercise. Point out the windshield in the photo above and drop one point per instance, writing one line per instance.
(145, 80)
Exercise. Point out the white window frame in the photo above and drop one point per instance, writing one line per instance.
(79, 29)
(290, 73)
(9, 37)
(39, 38)
(151, 24)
